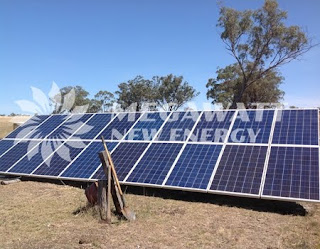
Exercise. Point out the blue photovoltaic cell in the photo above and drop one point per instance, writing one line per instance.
(252, 127)
(28, 126)
(35, 157)
(93, 127)
(195, 166)
(155, 164)
(124, 157)
(62, 157)
(70, 126)
(48, 126)
(147, 126)
(240, 169)
(178, 126)
(293, 172)
(212, 127)
(5, 145)
(15, 153)
(296, 127)
(120, 126)
(86, 164)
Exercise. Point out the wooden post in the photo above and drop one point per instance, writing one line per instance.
(114, 189)
(109, 196)
(116, 197)
(102, 198)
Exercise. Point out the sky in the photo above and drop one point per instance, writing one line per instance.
(99, 44)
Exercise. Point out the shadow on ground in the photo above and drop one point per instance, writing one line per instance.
(272, 206)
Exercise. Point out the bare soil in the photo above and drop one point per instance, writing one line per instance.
(46, 215)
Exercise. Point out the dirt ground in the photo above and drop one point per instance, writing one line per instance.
(46, 215)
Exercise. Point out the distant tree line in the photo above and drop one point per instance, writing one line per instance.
(158, 93)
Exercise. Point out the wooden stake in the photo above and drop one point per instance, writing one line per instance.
(102, 198)
(109, 196)
(116, 197)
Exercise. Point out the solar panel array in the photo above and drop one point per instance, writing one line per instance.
(271, 154)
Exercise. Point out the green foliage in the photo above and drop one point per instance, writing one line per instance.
(102, 102)
(260, 42)
(106, 98)
(95, 106)
(171, 92)
(168, 92)
(229, 80)
(81, 95)
(135, 92)
(73, 98)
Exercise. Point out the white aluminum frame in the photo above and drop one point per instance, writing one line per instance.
(266, 163)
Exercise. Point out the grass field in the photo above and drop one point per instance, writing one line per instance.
(7, 124)
(45, 215)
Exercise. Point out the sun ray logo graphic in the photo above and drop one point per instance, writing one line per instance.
(55, 103)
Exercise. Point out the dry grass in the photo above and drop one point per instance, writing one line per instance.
(5, 126)
(44, 215)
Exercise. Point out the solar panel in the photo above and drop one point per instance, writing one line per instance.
(178, 126)
(293, 172)
(296, 127)
(47, 127)
(148, 125)
(87, 162)
(60, 159)
(120, 126)
(28, 126)
(240, 169)
(14, 154)
(155, 164)
(93, 126)
(5, 145)
(212, 127)
(35, 156)
(124, 158)
(70, 126)
(253, 153)
(195, 166)
(252, 127)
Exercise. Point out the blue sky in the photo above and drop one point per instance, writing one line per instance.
(98, 44)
